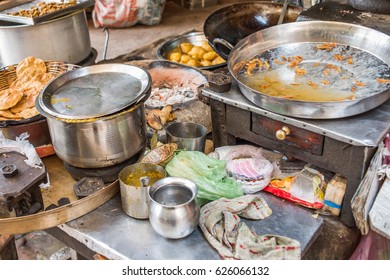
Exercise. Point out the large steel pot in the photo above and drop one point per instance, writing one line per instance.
(369, 50)
(61, 39)
(102, 130)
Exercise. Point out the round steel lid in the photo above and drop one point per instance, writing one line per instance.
(94, 91)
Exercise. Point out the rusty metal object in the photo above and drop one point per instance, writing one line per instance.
(220, 82)
(107, 174)
(20, 193)
(87, 186)
(9, 170)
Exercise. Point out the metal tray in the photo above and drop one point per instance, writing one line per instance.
(32, 21)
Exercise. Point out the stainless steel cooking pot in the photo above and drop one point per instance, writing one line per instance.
(349, 70)
(61, 39)
(95, 114)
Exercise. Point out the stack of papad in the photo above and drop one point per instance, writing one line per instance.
(18, 101)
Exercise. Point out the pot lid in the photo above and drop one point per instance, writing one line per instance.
(94, 91)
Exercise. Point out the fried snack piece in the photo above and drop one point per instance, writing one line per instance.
(380, 80)
(9, 98)
(29, 113)
(164, 113)
(20, 106)
(9, 115)
(151, 119)
(30, 67)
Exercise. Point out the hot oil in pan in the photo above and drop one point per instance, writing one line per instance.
(318, 72)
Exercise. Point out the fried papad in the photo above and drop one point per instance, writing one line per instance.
(30, 67)
(9, 98)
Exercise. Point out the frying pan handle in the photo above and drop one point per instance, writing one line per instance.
(222, 47)
(105, 30)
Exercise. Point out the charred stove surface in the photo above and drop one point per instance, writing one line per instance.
(107, 174)
(20, 193)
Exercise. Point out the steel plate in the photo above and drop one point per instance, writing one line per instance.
(94, 91)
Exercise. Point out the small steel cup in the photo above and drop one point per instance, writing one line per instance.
(134, 196)
(187, 136)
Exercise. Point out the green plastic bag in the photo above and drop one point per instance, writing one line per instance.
(207, 173)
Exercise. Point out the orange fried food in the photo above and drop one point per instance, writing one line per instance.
(165, 113)
(339, 57)
(300, 71)
(264, 85)
(30, 67)
(9, 98)
(277, 61)
(312, 84)
(326, 72)
(359, 84)
(333, 67)
(380, 80)
(266, 64)
(7, 114)
(29, 113)
(326, 46)
(151, 119)
(294, 61)
(251, 65)
(325, 82)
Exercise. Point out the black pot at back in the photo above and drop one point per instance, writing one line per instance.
(237, 21)
(374, 6)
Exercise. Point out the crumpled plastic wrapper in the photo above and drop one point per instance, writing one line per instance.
(23, 146)
(247, 165)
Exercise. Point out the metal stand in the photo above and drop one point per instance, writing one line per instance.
(344, 146)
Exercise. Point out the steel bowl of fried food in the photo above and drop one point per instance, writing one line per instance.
(191, 49)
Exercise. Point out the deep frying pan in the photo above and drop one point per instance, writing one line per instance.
(368, 49)
(227, 26)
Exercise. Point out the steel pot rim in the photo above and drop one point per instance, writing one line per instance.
(144, 92)
(175, 181)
